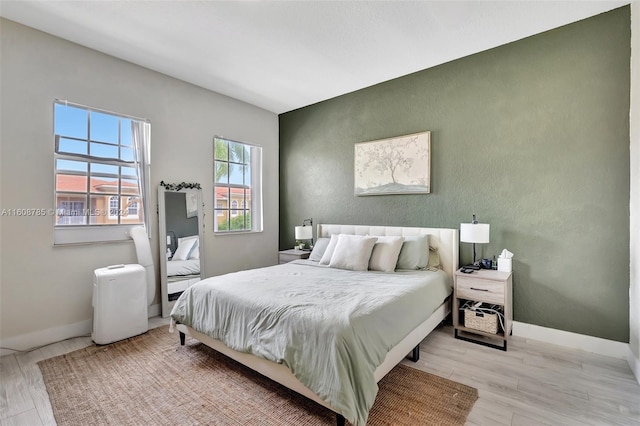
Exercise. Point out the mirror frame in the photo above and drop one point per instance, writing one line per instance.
(162, 239)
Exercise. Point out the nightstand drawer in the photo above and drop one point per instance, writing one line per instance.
(480, 290)
(286, 256)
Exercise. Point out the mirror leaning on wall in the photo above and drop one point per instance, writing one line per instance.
(180, 236)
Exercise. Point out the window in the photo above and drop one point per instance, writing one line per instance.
(113, 206)
(237, 186)
(132, 207)
(70, 212)
(101, 169)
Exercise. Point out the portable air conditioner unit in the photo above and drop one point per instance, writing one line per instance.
(119, 303)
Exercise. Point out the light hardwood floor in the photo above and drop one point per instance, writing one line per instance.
(531, 384)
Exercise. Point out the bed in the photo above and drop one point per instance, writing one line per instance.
(327, 330)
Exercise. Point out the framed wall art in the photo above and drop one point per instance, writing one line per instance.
(399, 165)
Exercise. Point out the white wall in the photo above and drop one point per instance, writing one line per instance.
(44, 287)
(634, 289)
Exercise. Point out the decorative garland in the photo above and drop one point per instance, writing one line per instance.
(179, 186)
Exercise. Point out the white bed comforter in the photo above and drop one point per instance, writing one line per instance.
(331, 327)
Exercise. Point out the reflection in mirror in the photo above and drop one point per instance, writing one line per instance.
(180, 213)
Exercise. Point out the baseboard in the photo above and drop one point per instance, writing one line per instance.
(592, 344)
(154, 310)
(571, 340)
(55, 334)
(634, 363)
(27, 341)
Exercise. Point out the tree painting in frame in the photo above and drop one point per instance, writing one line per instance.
(399, 165)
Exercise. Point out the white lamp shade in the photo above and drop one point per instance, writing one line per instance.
(304, 232)
(474, 232)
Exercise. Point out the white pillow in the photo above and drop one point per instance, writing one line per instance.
(185, 245)
(414, 253)
(195, 251)
(326, 256)
(434, 258)
(318, 249)
(352, 252)
(385, 254)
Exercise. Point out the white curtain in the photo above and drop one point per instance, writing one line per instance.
(141, 132)
(256, 189)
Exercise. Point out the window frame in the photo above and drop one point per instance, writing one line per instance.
(87, 232)
(255, 208)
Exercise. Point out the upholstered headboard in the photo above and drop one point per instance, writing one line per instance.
(444, 239)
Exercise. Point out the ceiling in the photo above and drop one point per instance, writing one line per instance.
(284, 55)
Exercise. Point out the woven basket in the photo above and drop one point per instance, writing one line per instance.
(481, 321)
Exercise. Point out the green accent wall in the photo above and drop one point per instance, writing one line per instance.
(532, 136)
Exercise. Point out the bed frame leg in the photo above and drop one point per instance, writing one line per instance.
(339, 420)
(415, 354)
(182, 338)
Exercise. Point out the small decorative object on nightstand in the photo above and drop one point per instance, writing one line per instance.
(286, 256)
(482, 307)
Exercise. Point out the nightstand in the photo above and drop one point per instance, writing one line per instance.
(493, 288)
(286, 256)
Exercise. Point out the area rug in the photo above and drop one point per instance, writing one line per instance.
(152, 380)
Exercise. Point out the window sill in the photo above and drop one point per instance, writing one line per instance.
(71, 235)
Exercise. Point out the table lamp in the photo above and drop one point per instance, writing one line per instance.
(305, 232)
(474, 232)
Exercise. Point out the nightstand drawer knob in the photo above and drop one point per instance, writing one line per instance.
(478, 289)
